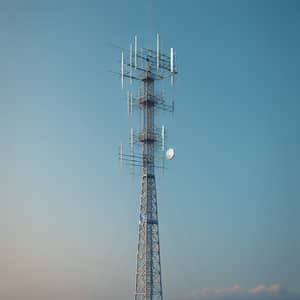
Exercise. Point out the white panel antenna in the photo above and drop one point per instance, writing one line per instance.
(157, 51)
(121, 152)
(122, 70)
(172, 60)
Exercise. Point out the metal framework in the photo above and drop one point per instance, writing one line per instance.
(147, 66)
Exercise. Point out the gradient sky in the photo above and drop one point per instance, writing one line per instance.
(229, 203)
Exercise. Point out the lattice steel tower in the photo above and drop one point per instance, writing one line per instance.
(147, 66)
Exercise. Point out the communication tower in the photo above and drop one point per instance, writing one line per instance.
(146, 67)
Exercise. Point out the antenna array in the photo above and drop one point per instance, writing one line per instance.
(146, 66)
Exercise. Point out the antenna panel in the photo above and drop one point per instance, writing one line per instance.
(122, 70)
(157, 52)
(121, 152)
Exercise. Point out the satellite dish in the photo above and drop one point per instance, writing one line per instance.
(170, 153)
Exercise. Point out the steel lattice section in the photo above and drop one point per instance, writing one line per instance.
(148, 268)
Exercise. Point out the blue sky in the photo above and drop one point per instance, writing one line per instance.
(228, 204)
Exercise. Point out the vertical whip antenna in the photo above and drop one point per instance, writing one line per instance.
(131, 138)
(132, 148)
(172, 65)
(130, 63)
(131, 100)
(135, 51)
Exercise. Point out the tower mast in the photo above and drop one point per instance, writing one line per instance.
(153, 66)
